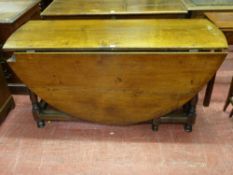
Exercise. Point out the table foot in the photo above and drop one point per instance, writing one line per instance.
(188, 127)
(155, 125)
(40, 124)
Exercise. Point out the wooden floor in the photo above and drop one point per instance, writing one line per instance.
(66, 148)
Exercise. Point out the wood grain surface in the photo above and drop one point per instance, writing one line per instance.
(116, 88)
(98, 70)
(99, 35)
(113, 7)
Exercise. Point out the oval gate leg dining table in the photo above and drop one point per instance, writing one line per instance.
(117, 72)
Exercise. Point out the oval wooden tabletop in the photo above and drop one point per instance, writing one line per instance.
(11, 10)
(208, 5)
(110, 35)
(223, 20)
(113, 7)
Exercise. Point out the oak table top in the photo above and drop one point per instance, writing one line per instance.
(86, 35)
(208, 5)
(113, 7)
(11, 10)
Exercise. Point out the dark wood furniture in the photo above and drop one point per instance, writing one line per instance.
(117, 71)
(186, 115)
(13, 14)
(6, 100)
(229, 99)
(224, 21)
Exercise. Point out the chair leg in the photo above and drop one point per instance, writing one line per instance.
(208, 92)
(231, 114)
(226, 104)
(230, 94)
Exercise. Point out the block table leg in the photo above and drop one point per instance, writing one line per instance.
(36, 109)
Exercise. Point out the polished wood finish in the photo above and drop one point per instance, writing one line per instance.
(75, 8)
(6, 101)
(116, 88)
(117, 71)
(208, 5)
(115, 35)
(43, 112)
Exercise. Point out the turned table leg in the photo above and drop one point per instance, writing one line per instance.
(191, 114)
(36, 109)
(187, 117)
